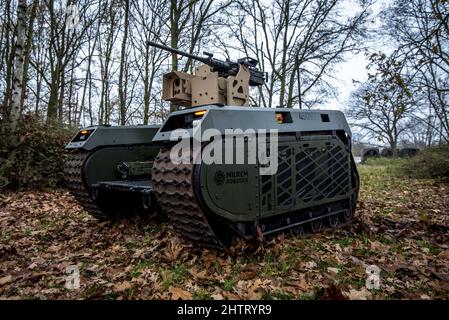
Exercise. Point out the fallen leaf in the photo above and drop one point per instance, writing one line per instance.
(362, 294)
(376, 245)
(247, 275)
(230, 296)
(178, 293)
(301, 284)
(254, 292)
(444, 254)
(174, 249)
(139, 253)
(122, 286)
(217, 296)
(116, 247)
(311, 265)
(333, 270)
(201, 275)
(5, 280)
(54, 248)
(209, 259)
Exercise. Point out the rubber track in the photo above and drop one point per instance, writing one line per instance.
(73, 178)
(173, 188)
(172, 185)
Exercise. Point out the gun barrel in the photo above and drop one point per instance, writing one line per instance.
(173, 50)
(224, 68)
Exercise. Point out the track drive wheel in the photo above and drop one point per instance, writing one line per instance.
(332, 221)
(316, 225)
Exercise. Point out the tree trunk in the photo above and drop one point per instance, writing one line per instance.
(60, 100)
(174, 33)
(394, 147)
(146, 93)
(88, 79)
(8, 58)
(27, 52)
(52, 109)
(174, 38)
(122, 81)
(17, 84)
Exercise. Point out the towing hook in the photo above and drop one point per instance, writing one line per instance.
(94, 193)
(123, 168)
(146, 197)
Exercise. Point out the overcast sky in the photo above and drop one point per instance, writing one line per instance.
(355, 66)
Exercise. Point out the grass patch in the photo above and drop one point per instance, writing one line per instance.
(201, 294)
(175, 276)
(385, 239)
(385, 166)
(307, 296)
(236, 269)
(273, 267)
(289, 250)
(5, 235)
(154, 229)
(434, 250)
(229, 284)
(180, 273)
(345, 242)
(362, 252)
(217, 267)
(278, 295)
(269, 257)
(166, 277)
(432, 163)
(142, 265)
(322, 265)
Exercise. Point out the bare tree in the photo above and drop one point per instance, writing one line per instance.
(286, 35)
(19, 58)
(107, 36)
(123, 83)
(7, 55)
(421, 33)
(188, 24)
(103, 72)
(148, 25)
(381, 106)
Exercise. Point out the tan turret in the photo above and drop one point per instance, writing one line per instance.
(214, 82)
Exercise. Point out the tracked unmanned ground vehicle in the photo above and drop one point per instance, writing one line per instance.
(316, 180)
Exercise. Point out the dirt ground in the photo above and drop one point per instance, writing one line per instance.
(402, 227)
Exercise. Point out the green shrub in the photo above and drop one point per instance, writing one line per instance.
(38, 158)
(430, 163)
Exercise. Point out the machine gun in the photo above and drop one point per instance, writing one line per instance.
(221, 82)
(225, 68)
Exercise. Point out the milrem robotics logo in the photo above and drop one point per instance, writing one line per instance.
(235, 146)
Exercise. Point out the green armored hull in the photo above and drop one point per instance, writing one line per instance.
(108, 169)
(316, 181)
(223, 169)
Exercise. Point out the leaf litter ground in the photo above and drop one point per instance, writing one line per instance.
(402, 226)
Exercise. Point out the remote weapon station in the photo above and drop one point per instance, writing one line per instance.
(310, 178)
